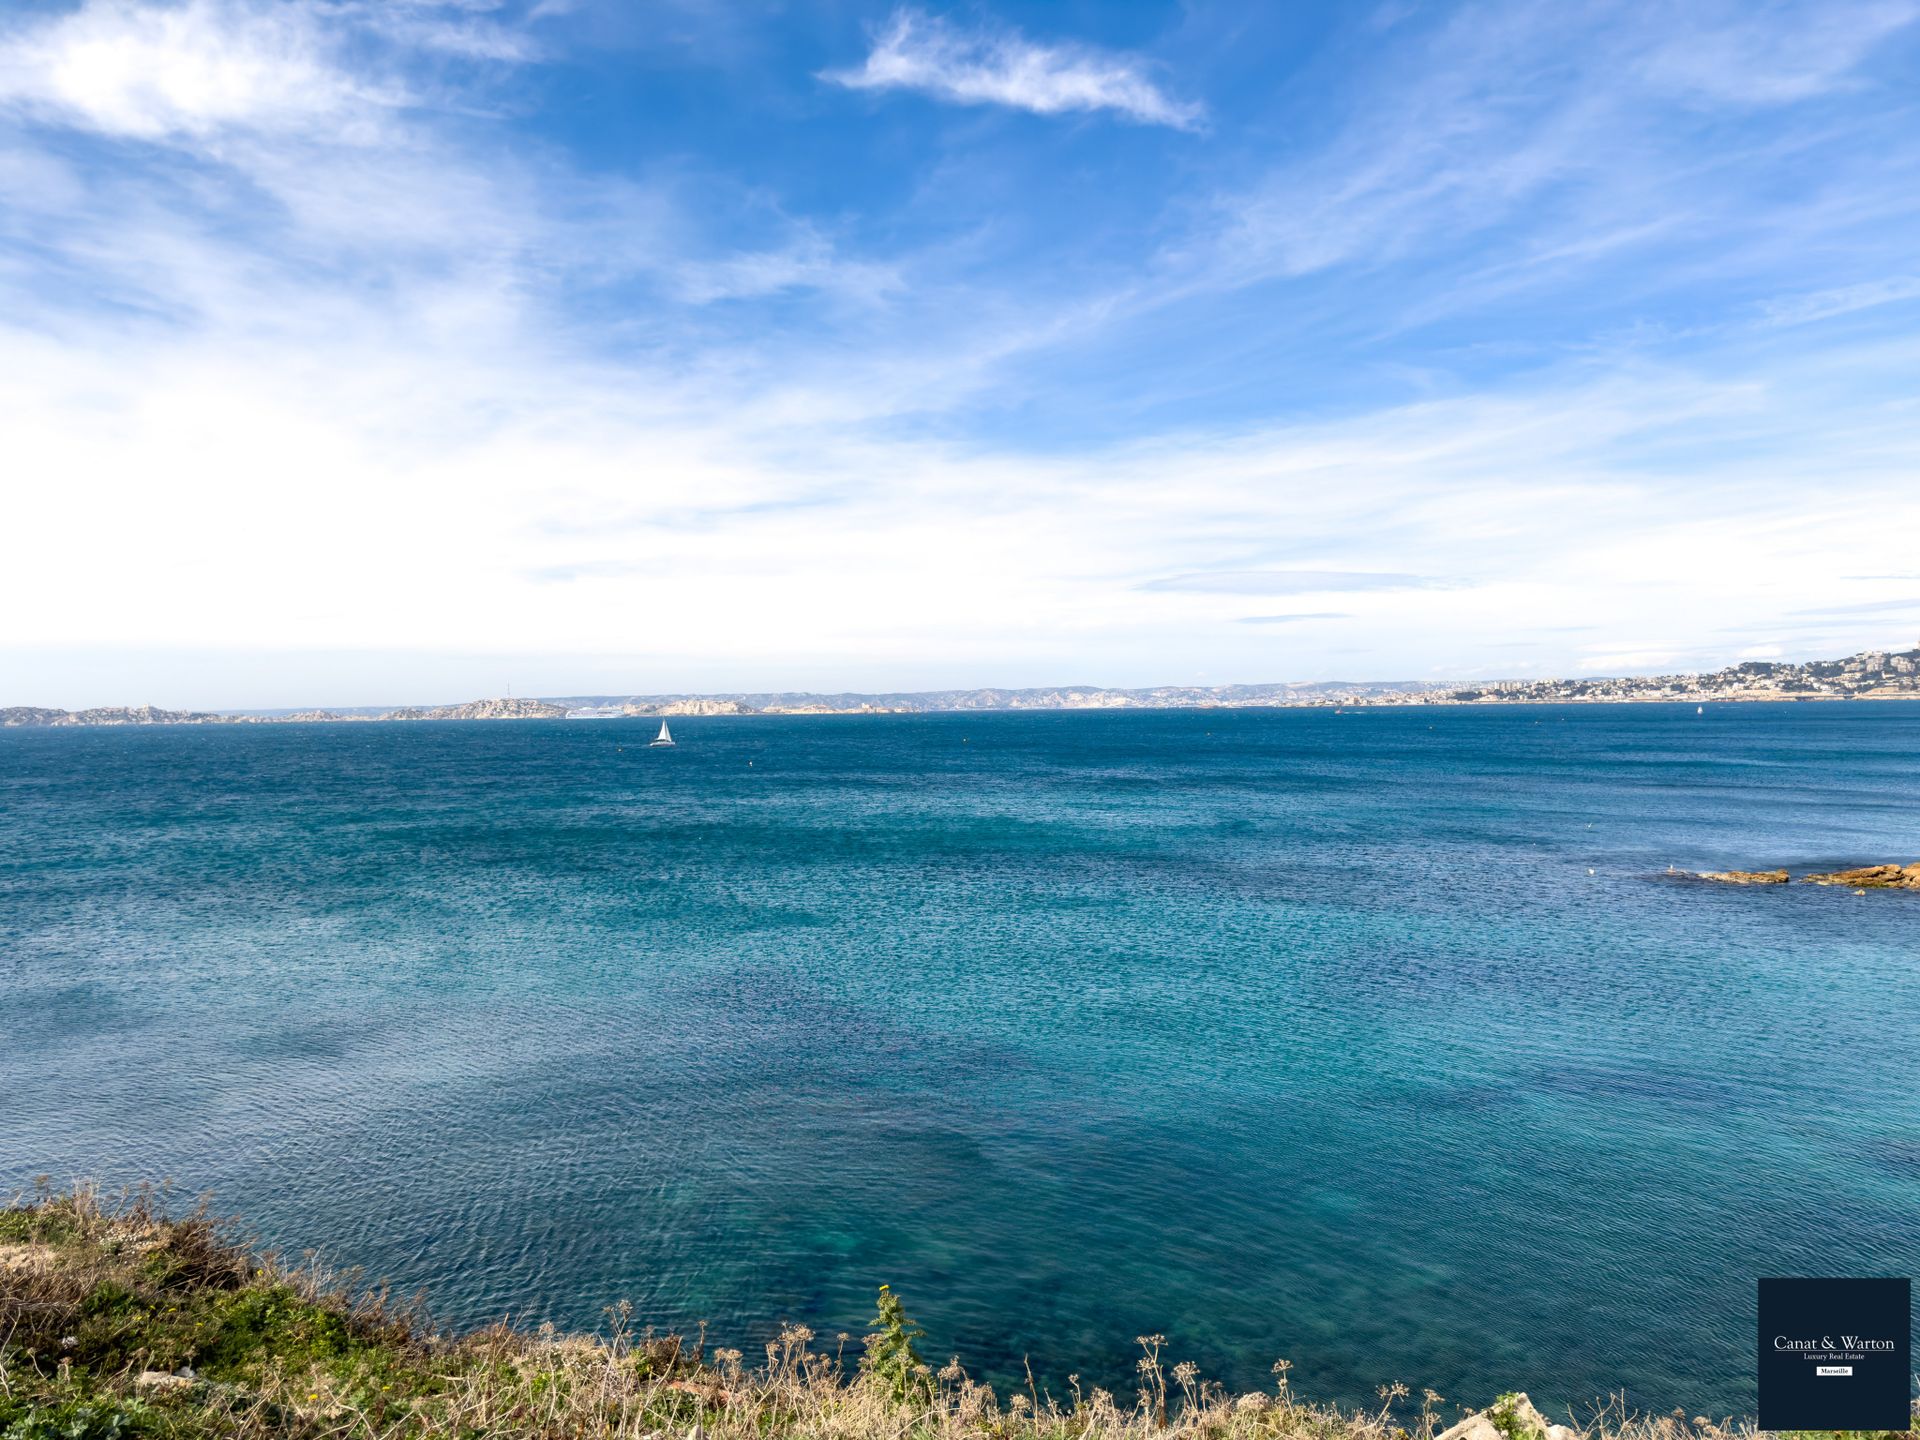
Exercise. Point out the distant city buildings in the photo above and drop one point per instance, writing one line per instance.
(1872, 674)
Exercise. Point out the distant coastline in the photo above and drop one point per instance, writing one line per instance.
(1869, 675)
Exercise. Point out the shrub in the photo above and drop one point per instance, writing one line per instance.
(892, 1356)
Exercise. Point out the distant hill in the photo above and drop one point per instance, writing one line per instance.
(19, 715)
(514, 709)
(1872, 674)
(1067, 697)
(483, 710)
(1075, 697)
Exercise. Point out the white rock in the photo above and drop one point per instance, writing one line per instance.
(1474, 1427)
(1519, 1422)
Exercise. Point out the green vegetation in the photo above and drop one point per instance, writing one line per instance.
(1509, 1419)
(117, 1322)
(893, 1359)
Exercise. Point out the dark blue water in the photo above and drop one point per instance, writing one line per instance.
(1378, 1041)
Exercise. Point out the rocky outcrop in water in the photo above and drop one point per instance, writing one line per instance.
(1866, 877)
(1872, 877)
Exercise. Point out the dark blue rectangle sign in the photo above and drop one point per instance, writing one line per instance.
(1835, 1354)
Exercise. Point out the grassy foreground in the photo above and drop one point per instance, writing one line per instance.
(116, 1321)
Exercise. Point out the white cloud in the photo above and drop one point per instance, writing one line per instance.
(1293, 582)
(450, 28)
(329, 398)
(151, 72)
(1841, 300)
(367, 485)
(924, 53)
(806, 264)
(1558, 118)
(1772, 54)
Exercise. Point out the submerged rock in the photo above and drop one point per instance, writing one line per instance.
(1747, 877)
(1872, 877)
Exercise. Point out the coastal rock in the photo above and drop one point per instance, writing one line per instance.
(1474, 1427)
(19, 715)
(1872, 877)
(1746, 877)
(1511, 1417)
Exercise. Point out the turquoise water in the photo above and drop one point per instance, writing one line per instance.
(1280, 1032)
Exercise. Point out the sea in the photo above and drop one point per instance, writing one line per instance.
(1393, 1042)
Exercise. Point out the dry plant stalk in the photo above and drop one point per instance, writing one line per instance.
(115, 1315)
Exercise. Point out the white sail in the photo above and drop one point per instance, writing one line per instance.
(665, 737)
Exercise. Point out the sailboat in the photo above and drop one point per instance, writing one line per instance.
(665, 737)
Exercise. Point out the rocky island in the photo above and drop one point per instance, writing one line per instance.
(17, 716)
(1872, 877)
(1866, 877)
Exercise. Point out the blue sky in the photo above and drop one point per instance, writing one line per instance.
(355, 352)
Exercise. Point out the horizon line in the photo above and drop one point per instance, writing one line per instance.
(1252, 692)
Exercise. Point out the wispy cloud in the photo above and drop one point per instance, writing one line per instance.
(1293, 582)
(448, 26)
(924, 53)
(808, 262)
(1293, 619)
(1776, 53)
(1563, 117)
(1870, 607)
(1842, 300)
